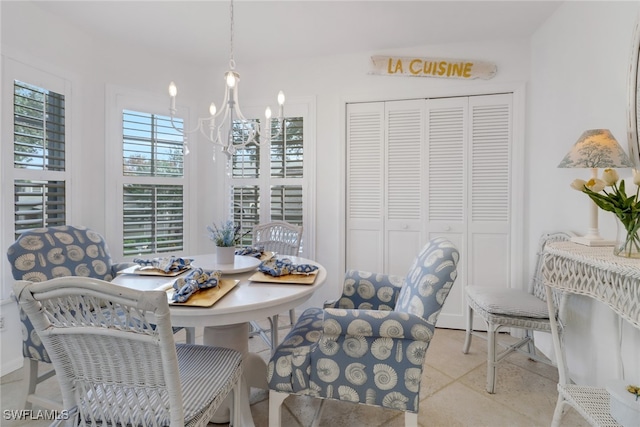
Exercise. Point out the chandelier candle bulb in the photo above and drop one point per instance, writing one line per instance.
(231, 80)
(173, 91)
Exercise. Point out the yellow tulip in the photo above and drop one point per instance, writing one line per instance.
(636, 178)
(610, 176)
(596, 185)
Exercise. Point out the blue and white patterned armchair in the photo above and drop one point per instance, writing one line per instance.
(369, 347)
(46, 253)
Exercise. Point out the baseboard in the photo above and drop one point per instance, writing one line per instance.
(9, 366)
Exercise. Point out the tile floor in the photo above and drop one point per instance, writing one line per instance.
(453, 393)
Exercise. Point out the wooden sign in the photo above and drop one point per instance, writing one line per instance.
(432, 67)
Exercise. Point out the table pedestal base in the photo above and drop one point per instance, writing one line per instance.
(254, 368)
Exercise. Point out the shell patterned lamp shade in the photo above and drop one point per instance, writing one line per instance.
(596, 148)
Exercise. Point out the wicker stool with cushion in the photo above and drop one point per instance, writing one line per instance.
(510, 308)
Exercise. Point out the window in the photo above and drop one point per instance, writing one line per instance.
(152, 188)
(271, 189)
(38, 157)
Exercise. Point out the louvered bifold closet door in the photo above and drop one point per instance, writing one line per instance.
(364, 186)
(446, 124)
(405, 178)
(490, 190)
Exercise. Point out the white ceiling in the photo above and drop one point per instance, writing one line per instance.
(199, 31)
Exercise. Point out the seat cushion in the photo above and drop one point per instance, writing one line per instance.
(206, 374)
(510, 302)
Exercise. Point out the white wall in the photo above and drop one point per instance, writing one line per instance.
(31, 36)
(331, 81)
(580, 60)
(336, 80)
(93, 64)
(565, 96)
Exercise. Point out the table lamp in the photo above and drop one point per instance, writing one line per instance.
(596, 148)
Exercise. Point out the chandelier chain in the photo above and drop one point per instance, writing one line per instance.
(232, 62)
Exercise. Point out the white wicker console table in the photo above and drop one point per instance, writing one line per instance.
(597, 273)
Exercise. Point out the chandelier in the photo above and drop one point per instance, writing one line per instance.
(246, 131)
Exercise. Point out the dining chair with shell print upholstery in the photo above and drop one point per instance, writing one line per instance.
(370, 346)
(46, 253)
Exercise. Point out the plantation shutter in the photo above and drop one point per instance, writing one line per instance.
(286, 172)
(245, 188)
(266, 180)
(152, 192)
(39, 157)
(286, 203)
(246, 210)
(38, 204)
(287, 150)
(39, 128)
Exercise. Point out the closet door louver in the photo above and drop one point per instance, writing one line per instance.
(404, 183)
(446, 152)
(404, 147)
(490, 140)
(365, 180)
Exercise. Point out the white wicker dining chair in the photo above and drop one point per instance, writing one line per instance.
(282, 238)
(278, 236)
(115, 356)
(41, 254)
(511, 308)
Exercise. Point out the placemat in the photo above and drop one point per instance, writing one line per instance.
(151, 271)
(206, 297)
(294, 279)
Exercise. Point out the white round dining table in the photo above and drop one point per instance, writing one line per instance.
(226, 322)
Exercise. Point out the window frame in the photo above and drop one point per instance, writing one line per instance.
(13, 70)
(117, 100)
(299, 107)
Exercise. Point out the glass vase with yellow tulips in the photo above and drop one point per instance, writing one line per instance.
(609, 194)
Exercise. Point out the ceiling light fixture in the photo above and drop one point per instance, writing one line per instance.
(246, 131)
